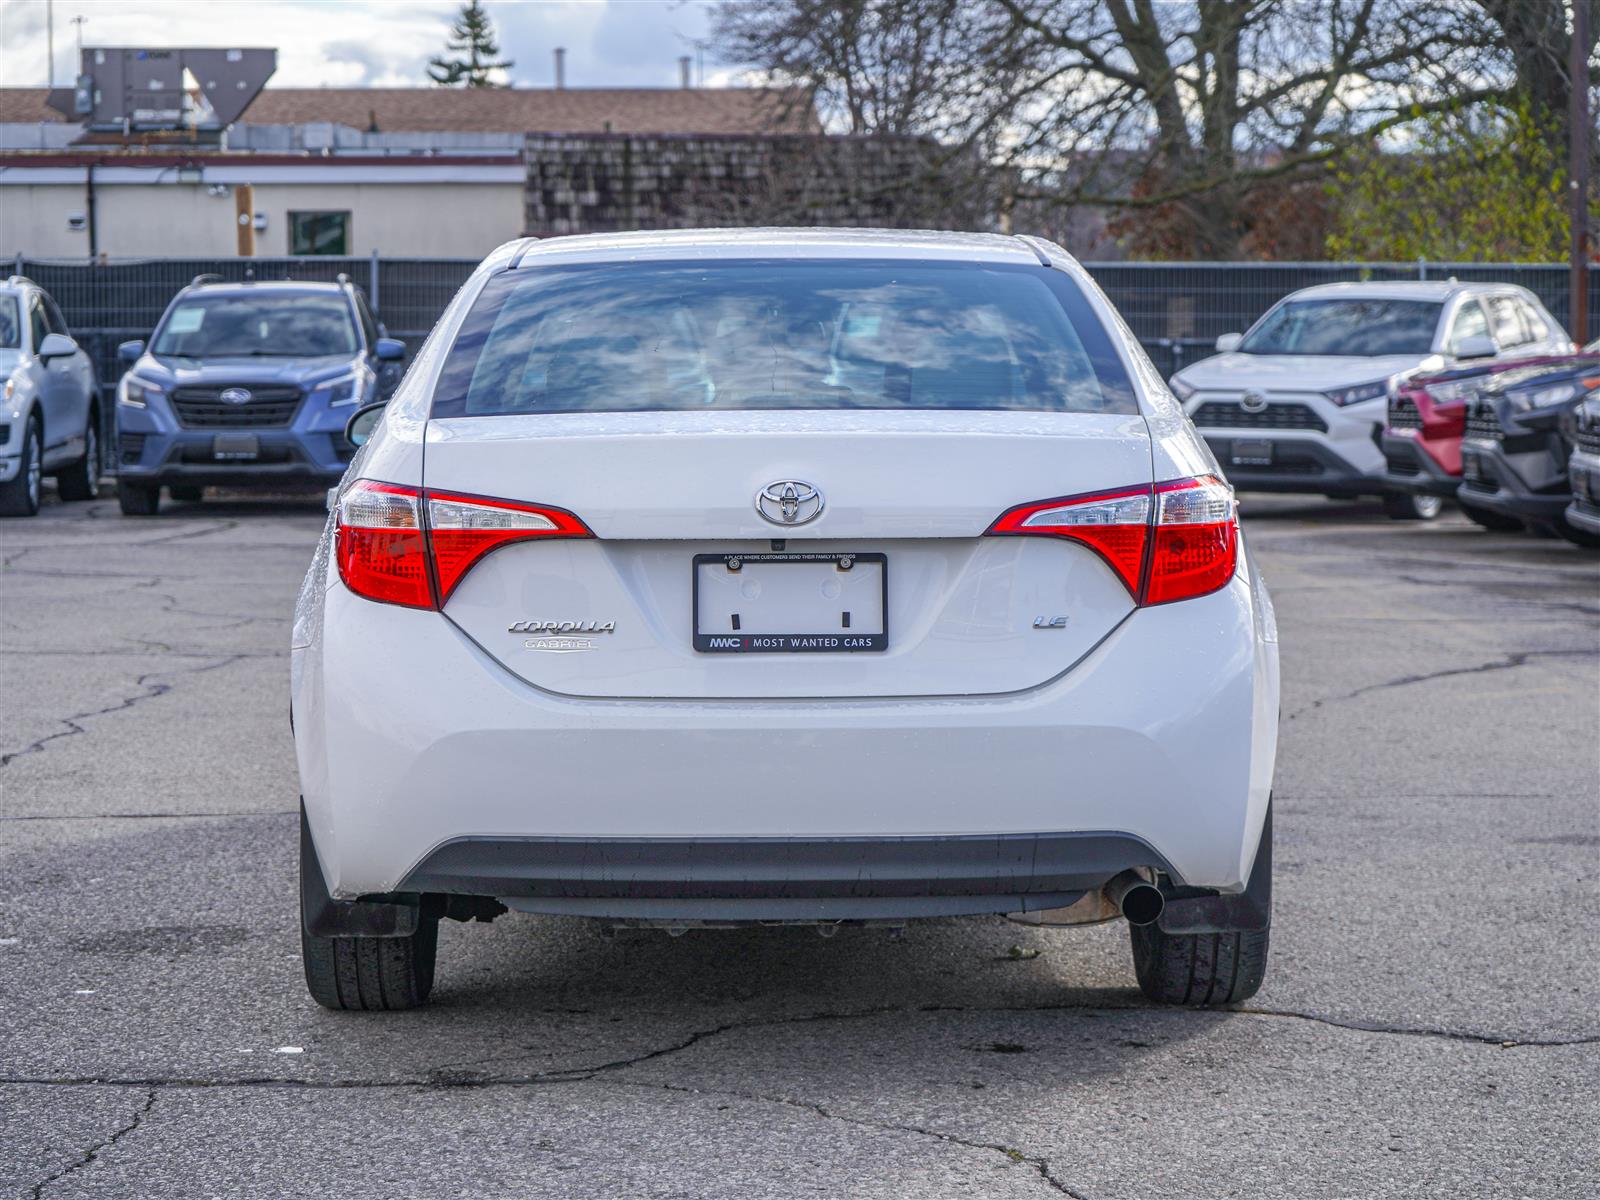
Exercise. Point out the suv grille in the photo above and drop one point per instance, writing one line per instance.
(1482, 423)
(202, 407)
(1588, 437)
(1403, 414)
(1226, 415)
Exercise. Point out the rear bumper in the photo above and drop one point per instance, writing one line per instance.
(1163, 737)
(1410, 468)
(781, 878)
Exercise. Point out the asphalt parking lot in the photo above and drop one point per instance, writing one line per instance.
(1430, 1024)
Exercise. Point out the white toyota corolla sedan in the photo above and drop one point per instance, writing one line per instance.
(783, 577)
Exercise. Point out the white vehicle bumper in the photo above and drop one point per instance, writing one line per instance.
(417, 751)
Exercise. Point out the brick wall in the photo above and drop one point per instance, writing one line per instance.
(599, 183)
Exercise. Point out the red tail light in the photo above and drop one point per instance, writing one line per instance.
(1168, 541)
(404, 545)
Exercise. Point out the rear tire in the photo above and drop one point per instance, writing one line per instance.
(371, 974)
(1490, 520)
(81, 481)
(1199, 969)
(187, 493)
(138, 499)
(1411, 506)
(19, 496)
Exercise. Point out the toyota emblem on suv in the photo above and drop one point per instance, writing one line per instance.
(789, 502)
(1253, 402)
(234, 395)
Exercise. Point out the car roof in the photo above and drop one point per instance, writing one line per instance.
(1399, 289)
(794, 243)
(243, 287)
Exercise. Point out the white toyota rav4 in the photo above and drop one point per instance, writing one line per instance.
(783, 576)
(1298, 404)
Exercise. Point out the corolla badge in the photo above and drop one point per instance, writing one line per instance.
(789, 502)
(234, 395)
(561, 637)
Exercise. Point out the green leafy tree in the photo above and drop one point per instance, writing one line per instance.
(1483, 184)
(475, 52)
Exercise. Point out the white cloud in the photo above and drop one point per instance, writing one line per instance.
(346, 43)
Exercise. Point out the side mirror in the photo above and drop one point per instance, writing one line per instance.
(1476, 345)
(1229, 342)
(358, 430)
(56, 345)
(129, 352)
(390, 349)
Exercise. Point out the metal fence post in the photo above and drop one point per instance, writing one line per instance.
(372, 275)
(1422, 267)
(18, 269)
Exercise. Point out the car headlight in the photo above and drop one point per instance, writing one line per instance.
(1359, 394)
(345, 390)
(1452, 393)
(135, 392)
(1180, 389)
(1546, 397)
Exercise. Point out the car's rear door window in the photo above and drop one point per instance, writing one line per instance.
(747, 334)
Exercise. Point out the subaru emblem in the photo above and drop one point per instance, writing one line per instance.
(235, 395)
(789, 502)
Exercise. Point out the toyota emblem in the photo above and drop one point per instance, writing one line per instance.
(789, 502)
(235, 395)
(1253, 402)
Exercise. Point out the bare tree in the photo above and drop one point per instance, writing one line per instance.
(1194, 119)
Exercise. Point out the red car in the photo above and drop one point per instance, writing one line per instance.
(1422, 438)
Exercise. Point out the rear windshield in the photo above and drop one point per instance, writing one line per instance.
(265, 324)
(1346, 328)
(747, 334)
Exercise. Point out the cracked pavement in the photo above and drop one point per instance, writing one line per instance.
(1430, 1024)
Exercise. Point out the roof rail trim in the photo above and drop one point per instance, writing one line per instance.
(1032, 243)
(203, 279)
(516, 261)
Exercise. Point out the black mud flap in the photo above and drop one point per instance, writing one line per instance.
(1196, 910)
(323, 916)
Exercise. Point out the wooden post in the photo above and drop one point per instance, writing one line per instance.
(1578, 173)
(244, 209)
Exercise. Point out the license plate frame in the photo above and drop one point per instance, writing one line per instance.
(235, 447)
(841, 641)
(1250, 452)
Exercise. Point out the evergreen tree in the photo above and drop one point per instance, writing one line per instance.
(473, 34)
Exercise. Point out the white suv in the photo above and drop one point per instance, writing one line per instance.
(50, 411)
(1298, 403)
(783, 576)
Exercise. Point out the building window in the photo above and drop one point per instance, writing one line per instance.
(319, 233)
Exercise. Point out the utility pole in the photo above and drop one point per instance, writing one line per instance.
(50, 38)
(80, 21)
(1578, 172)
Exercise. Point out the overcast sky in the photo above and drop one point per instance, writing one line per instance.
(351, 43)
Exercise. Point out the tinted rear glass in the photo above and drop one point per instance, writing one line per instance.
(267, 324)
(747, 334)
(10, 323)
(1350, 328)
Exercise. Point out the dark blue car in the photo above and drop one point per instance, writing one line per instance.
(245, 385)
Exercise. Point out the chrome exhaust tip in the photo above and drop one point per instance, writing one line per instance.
(1135, 897)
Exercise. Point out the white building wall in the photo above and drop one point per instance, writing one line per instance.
(424, 219)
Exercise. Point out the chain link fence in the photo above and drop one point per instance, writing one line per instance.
(1176, 309)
